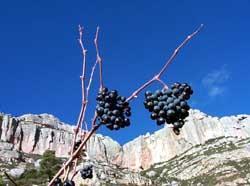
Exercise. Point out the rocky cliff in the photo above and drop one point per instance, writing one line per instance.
(162, 150)
(33, 134)
(163, 145)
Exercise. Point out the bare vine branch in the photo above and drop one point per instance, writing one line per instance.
(168, 62)
(98, 58)
(75, 154)
(162, 82)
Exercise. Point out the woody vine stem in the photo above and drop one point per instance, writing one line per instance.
(85, 93)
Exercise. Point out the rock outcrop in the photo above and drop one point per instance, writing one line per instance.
(208, 149)
(33, 134)
(163, 145)
(37, 133)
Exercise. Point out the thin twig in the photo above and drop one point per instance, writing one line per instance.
(84, 51)
(83, 105)
(81, 115)
(168, 62)
(75, 173)
(86, 126)
(162, 82)
(90, 79)
(11, 179)
(98, 58)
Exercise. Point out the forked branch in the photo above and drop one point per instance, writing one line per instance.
(157, 77)
(98, 58)
(168, 62)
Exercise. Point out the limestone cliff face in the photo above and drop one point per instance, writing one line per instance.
(37, 133)
(164, 144)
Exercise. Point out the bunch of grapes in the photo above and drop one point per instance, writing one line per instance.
(87, 172)
(112, 109)
(58, 182)
(77, 144)
(169, 106)
(69, 183)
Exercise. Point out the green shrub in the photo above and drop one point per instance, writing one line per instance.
(49, 165)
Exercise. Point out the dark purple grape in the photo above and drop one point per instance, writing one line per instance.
(99, 98)
(161, 104)
(69, 183)
(153, 115)
(154, 97)
(176, 92)
(105, 118)
(118, 121)
(99, 111)
(170, 113)
(101, 103)
(112, 119)
(171, 106)
(116, 112)
(168, 92)
(157, 109)
(116, 127)
(105, 111)
(148, 93)
(128, 113)
(165, 108)
(107, 105)
(176, 102)
(170, 100)
(123, 99)
(160, 121)
(158, 93)
(162, 113)
(58, 182)
(126, 122)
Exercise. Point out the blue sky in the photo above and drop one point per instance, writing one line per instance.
(41, 59)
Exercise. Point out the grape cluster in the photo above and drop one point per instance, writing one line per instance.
(77, 144)
(69, 183)
(58, 182)
(169, 106)
(112, 109)
(87, 172)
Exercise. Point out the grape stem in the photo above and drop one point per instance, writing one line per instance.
(162, 82)
(168, 62)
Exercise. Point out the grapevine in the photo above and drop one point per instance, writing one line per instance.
(167, 106)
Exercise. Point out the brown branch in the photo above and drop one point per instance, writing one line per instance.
(90, 79)
(75, 173)
(168, 62)
(75, 154)
(83, 105)
(11, 179)
(162, 82)
(98, 58)
(84, 51)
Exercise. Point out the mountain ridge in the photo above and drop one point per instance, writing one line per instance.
(33, 134)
